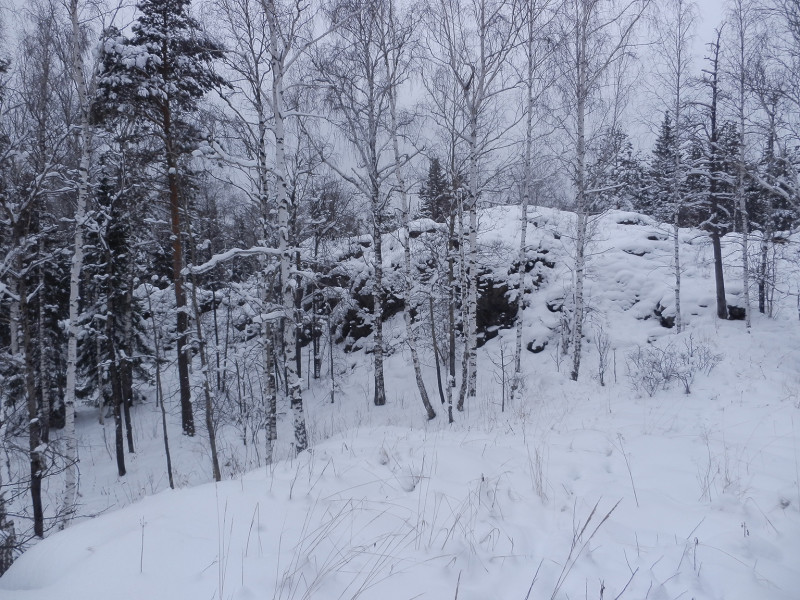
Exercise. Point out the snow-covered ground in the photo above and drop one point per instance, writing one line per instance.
(576, 491)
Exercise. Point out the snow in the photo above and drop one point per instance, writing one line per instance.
(578, 490)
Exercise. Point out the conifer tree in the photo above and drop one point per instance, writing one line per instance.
(159, 74)
(660, 178)
(615, 176)
(435, 196)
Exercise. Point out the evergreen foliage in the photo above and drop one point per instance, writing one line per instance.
(616, 174)
(435, 195)
(656, 200)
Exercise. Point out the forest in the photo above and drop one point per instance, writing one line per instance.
(223, 210)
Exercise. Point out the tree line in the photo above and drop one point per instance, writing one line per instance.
(204, 162)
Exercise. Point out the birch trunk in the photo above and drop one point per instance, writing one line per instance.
(582, 93)
(392, 63)
(288, 283)
(516, 382)
(451, 312)
(377, 301)
(76, 266)
(272, 394)
(680, 66)
(472, 261)
(465, 283)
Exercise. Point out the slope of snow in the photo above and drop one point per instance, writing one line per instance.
(576, 491)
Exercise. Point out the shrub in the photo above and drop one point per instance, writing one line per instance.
(651, 368)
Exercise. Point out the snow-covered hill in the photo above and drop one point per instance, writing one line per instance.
(577, 491)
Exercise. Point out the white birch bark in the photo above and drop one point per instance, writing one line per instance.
(76, 265)
(606, 30)
(532, 14)
(288, 282)
(581, 93)
(393, 62)
(676, 33)
(472, 256)
(477, 38)
(680, 27)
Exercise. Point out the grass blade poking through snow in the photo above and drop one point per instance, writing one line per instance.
(578, 547)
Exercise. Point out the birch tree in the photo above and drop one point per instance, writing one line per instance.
(741, 15)
(675, 25)
(357, 91)
(289, 41)
(536, 82)
(248, 60)
(475, 40)
(444, 104)
(596, 34)
(395, 40)
(85, 94)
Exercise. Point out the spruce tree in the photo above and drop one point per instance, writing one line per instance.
(656, 200)
(435, 195)
(615, 176)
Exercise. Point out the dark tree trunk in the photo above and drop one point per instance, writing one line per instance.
(187, 417)
(377, 310)
(435, 350)
(35, 441)
(713, 191)
(117, 398)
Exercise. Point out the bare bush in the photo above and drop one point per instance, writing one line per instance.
(651, 368)
(603, 343)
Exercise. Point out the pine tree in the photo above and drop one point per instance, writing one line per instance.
(159, 74)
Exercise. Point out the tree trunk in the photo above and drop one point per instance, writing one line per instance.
(677, 179)
(159, 390)
(435, 344)
(472, 262)
(271, 392)
(76, 266)
(182, 331)
(516, 382)
(288, 282)
(714, 229)
(36, 446)
(451, 313)
(411, 335)
(582, 93)
(45, 369)
(741, 192)
(8, 534)
(116, 398)
(377, 300)
(125, 362)
(315, 333)
(209, 404)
